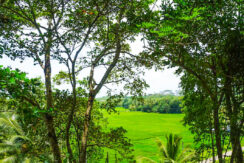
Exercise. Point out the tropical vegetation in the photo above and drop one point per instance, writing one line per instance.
(90, 44)
(15, 146)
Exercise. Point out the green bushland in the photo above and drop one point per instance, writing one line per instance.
(157, 103)
(144, 128)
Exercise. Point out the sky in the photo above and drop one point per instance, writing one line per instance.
(158, 81)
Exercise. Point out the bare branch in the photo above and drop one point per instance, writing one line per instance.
(116, 57)
(31, 101)
(114, 81)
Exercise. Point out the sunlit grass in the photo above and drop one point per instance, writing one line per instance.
(144, 128)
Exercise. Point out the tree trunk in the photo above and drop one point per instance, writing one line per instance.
(86, 128)
(71, 115)
(239, 151)
(237, 133)
(236, 145)
(233, 141)
(212, 141)
(48, 118)
(52, 138)
(217, 133)
(93, 92)
(230, 113)
(234, 129)
(70, 119)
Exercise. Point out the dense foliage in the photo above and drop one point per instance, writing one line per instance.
(205, 42)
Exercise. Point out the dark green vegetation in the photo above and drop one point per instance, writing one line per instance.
(203, 40)
(154, 103)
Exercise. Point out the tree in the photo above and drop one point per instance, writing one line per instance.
(52, 30)
(154, 103)
(195, 37)
(108, 28)
(37, 43)
(26, 98)
(196, 102)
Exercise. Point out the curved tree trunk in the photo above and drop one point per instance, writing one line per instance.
(239, 151)
(71, 115)
(86, 129)
(67, 137)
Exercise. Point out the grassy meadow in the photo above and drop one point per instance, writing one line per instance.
(144, 128)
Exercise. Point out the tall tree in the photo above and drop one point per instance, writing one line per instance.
(61, 30)
(32, 35)
(103, 47)
(195, 37)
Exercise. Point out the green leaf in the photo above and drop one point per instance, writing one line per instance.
(12, 81)
(147, 25)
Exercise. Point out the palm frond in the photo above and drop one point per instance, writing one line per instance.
(14, 140)
(145, 159)
(172, 151)
(176, 149)
(19, 138)
(164, 151)
(9, 159)
(7, 147)
(11, 124)
(162, 148)
(173, 145)
(185, 155)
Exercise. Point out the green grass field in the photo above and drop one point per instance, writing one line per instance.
(144, 128)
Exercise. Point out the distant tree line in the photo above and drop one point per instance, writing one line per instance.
(154, 103)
